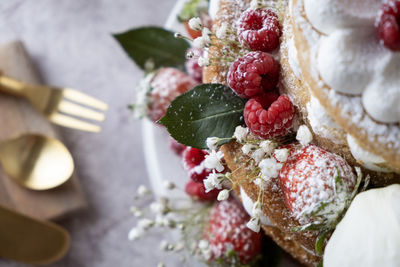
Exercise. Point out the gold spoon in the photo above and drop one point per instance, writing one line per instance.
(31, 241)
(36, 161)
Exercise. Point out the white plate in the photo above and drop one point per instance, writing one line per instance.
(162, 163)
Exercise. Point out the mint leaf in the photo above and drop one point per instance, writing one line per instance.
(155, 44)
(192, 8)
(207, 110)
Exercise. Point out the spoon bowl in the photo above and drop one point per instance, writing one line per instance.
(36, 161)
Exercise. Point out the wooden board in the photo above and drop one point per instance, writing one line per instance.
(17, 116)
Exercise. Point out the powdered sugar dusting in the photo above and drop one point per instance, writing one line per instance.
(227, 230)
(377, 136)
(307, 179)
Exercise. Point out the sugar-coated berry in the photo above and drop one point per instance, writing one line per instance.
(307, 178)
(227, 229)
(259, 29)
(388, 24)
(269, 115)
(198, 192)
(253, 74)
(192, 159)
(166, 86)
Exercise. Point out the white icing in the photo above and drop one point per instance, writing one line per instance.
(213, 7)
(320, 121)
(248, 206)
(350, 58)
(342, 60)
(369, 234)
(328, 15)
(292, 58)
(367, 159)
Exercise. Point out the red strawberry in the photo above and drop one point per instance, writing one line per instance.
(192, 159)
(308, 179)
(166, 86)
(198, 192)
(227, 230)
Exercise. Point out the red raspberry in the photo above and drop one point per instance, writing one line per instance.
(388, 24)
(198, 191)
(259, 29)
(253, 74)
(268, 115)
(176, 146)
(192, 66)
(192, 159)
(166, 86)
(227, 230)
(308, 178)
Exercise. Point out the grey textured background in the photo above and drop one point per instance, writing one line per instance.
(71, 43)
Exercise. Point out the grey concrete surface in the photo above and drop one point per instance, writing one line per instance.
(71, 44)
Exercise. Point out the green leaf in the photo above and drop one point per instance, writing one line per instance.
(319, 243)
(192, 8)
(155, 44)
(208, 110)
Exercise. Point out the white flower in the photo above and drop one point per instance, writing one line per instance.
(208, 184)
(204, 247)
(136, 212)
(212, 143)
(213, 161)
(143, 190)
(135, 233)
(179, 246)
(304, 136)
(163, 245)
(241, 134)
(222, 31)
(199, 42)
(206, 34)
(256, 211)
(169, 185)
(258, 155)
(161, 220)
(255, 4)
(254, 224)
(203, 244)
(281, 154)
(213, 180)
(247, 148)
(203, 61)
(269, 168)
(195, 24)
(223, 195)
(145, 224)
(159, 207)
(268, 146)
(260, 183)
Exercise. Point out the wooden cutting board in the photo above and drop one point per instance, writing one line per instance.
(17, 116)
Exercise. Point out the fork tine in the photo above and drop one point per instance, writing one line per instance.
(70, 122)
(79, 111)
(84, 99)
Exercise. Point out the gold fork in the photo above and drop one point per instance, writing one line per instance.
(55, 103)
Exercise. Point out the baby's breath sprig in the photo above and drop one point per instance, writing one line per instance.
(184, 215)
(225, 38)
